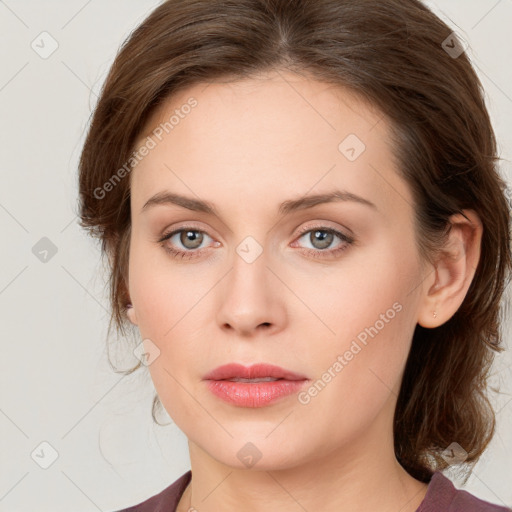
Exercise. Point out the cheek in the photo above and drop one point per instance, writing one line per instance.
(367, 290)
(357, 378)
(371, 313)
(163, 292)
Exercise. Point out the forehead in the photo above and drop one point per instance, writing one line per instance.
(278, 131)
(270, 91)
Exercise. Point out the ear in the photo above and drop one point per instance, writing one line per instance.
(455, 267)
(130, 310)
(130, 313)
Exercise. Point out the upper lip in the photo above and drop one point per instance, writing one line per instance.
(235, 370)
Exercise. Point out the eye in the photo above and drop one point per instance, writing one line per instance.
(321, 238)
(186, 242)
(188, 237)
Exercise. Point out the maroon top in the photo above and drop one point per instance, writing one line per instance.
(441, 496)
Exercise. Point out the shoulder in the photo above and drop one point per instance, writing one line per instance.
(442, 496)
(166, 500)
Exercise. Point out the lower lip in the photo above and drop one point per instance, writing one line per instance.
(256, 394)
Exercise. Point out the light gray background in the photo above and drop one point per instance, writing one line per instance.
(56, 384)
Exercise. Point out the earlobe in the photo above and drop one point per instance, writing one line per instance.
(130, 313)
(454, 270)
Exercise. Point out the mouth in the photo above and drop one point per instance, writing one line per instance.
(254, 386)
(256, 373)
(263, 379)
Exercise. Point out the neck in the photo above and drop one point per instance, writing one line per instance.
(363, 475)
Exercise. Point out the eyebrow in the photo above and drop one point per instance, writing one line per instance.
(198, 205)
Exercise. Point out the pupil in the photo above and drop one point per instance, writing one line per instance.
(192, 236)
(324, 238)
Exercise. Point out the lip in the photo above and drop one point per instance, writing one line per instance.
(261, 370)
(253, 394)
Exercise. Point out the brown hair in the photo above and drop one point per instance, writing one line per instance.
(393, 54)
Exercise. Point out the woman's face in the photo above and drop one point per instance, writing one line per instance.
(265, 278)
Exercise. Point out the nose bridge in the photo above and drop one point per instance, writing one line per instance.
(249, 298)
(249, 279)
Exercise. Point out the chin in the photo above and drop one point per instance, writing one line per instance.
(257, 452)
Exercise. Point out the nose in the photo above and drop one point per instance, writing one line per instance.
(251, 298)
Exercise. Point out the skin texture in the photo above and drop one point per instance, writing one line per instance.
(247, 147)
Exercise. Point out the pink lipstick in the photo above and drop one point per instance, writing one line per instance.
(254, 386)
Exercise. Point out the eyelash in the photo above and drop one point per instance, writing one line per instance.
(315, 253)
